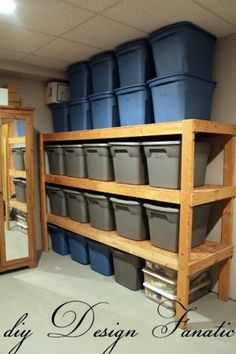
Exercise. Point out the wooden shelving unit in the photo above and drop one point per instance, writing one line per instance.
(18, 205)
(188, 261)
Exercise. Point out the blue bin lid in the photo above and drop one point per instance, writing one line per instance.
(109, 55)
(178, 26)
(83, 65)
(177, 77)
(130, 89)
(130, 46)
(78, 101)
(60, 105)
(100, 96)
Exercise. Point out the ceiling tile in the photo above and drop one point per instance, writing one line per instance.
(48, 16)
(149, 15)
(93, 5)
(103, 33)
(20, 39)
(226, 10)
(45, 62)
(6, 54)
(66, 50)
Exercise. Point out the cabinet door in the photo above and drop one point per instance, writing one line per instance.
(17, 236)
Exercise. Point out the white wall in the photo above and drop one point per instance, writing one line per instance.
(32, 94)
(224, 110)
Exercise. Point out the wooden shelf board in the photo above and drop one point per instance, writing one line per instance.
(18, 205)
(118, 132)
(208, 254)
(136, 191)
(211, 193)
(16, 173)
(201, 257)
(213, 127)
(17, 140)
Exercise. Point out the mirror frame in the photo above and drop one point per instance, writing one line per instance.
(26, 114)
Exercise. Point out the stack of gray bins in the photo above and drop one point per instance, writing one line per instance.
(75, 161)
(129, 162)
(21, 221)
(77, 205)
(19, 158)
(164, 163)
(20, 188)
(101, 214)
(57, 200)
(131, 220)
(99, 162)
(164, 225)
(55, 159)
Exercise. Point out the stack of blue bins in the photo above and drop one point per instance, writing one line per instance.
(183, 86)
(60, 116)
(103, 100)
(79, 107)
(59, 240)
(135, 69)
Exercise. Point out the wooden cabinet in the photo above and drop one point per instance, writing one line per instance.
(13, 253)
(188, 261)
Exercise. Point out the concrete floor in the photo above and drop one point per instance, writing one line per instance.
(57, 280)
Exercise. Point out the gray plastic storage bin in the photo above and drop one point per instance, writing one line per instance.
(55, 159)
(19, 160)
(77, 205)
(128, 270)
(75, 161)
(100, 212)
(99, 162)
(129, 162)
(130, 219)
(57, 200)
(164, 163)
(20, 188)
(164, 225)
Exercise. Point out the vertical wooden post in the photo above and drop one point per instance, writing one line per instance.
(43, 200)
(186, 215)
(30, 190)
(227, 217)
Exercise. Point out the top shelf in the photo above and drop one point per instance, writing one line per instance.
(16, 140)
(170, 128)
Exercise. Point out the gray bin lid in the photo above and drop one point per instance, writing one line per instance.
(72, 146)
(54, 188)
(125, 143)
(154, 143)
(53, 146)
(96, 145)
(96, 196)
(162, 209)
(19, 180)
(122, 201)
(69, 191)
(159, 277)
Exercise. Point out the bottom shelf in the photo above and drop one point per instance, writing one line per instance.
(201, 257)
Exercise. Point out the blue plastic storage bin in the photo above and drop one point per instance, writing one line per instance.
(80, 114)
(180, 97)
(78, 248)
(60, 116)
(59, 240)
(183, 48)
(100, 258)
(20, 127)
(134, 104)
(80, 80)
(134, 63)
(104, 72)
(104, 110)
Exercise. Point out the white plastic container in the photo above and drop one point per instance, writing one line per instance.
(160, 295)
(56, 92)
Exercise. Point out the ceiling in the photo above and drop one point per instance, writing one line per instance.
(45, 36)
